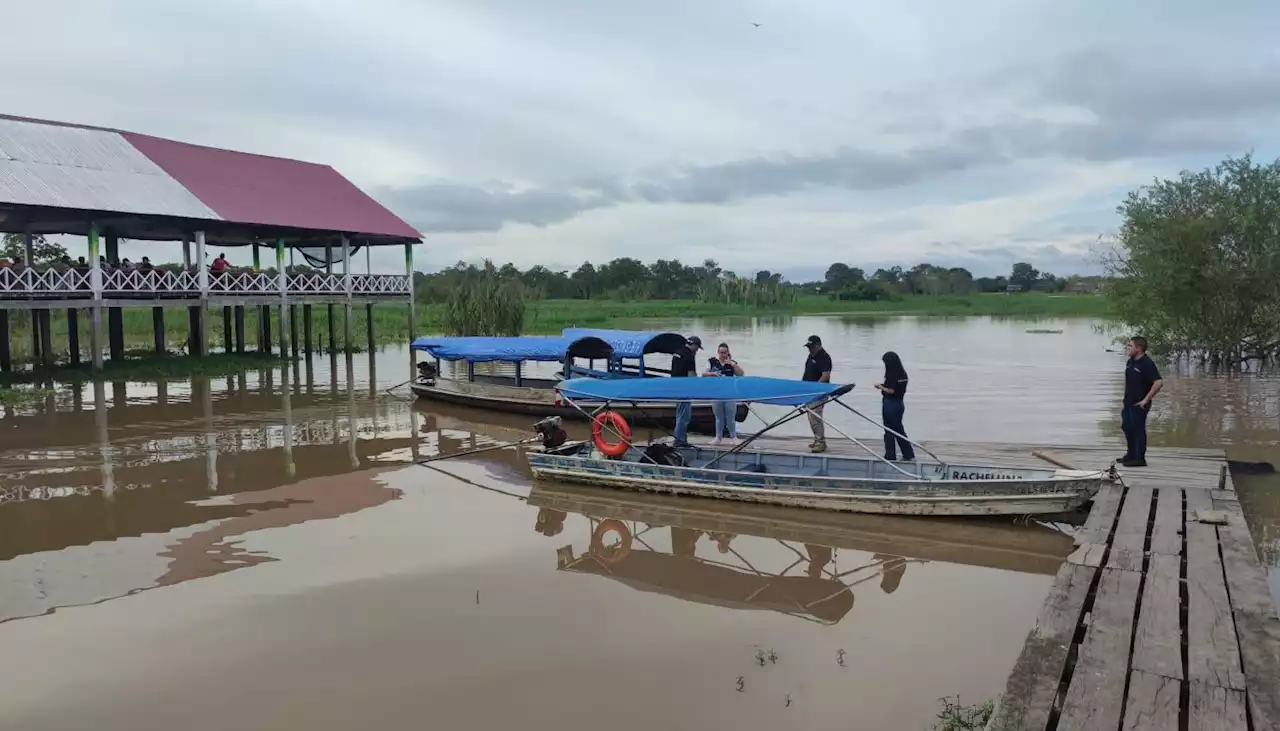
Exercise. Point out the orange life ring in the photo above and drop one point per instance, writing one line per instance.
(610, 554)
(618, 425)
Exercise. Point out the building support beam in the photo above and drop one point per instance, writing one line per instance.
(95, 313)
(73, 336)
(408, 269)
(158, 332)
(282, 280)
(6, 355)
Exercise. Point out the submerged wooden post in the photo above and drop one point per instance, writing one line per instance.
(158, 332)
(29, 251)
(73, 335)
(368, 325)
(95, 313)
(293, 331)
(6, 357)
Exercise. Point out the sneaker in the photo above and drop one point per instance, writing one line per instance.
(818, 447)
(679, 443)
(1122, 460)
(890, 458)
(1134, 462)
(717, 442)
(909, 459)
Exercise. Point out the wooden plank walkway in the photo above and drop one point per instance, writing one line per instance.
(1160, 619)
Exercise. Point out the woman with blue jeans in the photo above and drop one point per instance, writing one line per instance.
(892, 407)
(724, 366)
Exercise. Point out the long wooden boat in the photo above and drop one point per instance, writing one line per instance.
(850, 484)
(536, 396)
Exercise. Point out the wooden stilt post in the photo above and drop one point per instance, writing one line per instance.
(408, 267)
(285, 310)
(6, 356)
(239, 315)
(264, 312)
(115, 316)
(73, 336)
(29, 252)
(202, 344)
(46, 339)
(95, 313)
(328, 269)
(262, 325)
(226, 329)
(306, 331)
(346, 289)
(157, 330)
(293, 331)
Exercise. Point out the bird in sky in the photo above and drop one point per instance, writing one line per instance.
(756, 25)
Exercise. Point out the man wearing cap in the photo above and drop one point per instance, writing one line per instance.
(685, 365)
(817, 368)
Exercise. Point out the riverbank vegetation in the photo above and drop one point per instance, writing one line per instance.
(140, 366)
(1196, 264)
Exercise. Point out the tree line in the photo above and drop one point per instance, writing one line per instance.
(629, 279)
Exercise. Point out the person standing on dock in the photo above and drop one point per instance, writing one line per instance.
(892, 408)
(1142, 382)
(817, 368)
(723, 365)
(685, 365)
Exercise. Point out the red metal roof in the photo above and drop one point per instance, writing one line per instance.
(244, 188)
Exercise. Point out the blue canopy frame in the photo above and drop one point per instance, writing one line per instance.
(517, 350)
(632, 343)
(751, 389)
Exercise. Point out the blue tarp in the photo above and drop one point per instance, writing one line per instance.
(512, 349)
(754, 389)
(631, 343)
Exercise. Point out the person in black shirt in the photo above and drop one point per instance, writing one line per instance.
(1141, 384)
(817, 368)
(684, 365)
(893, 406)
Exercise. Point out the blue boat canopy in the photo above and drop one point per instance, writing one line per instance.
(514, 349)
(780, 391)
(632, 343)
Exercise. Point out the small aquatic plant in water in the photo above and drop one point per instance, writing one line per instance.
(956, 716)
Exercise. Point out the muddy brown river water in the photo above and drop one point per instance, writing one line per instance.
(233, 554)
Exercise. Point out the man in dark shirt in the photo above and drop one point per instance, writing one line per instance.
(685, 365)
(1141, 384)
(817, 368)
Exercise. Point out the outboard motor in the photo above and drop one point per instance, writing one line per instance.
(551, 432)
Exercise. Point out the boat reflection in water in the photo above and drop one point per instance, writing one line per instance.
(623, 528)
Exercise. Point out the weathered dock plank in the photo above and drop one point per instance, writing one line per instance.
(1152, 704)
(1102, 516)
(1095, 696)
(1157, 645)
(1128, 544)
(1166, 530)
(1213, 655)
(1216, 709)
(1032, 688)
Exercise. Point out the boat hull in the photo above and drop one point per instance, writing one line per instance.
(541, 403)
(938, 497)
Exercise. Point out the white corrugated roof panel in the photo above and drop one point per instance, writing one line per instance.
(96, 170)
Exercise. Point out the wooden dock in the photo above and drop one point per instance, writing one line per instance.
(1160, 620)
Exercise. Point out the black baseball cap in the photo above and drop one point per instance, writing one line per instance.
(694, 340)
(812, 341)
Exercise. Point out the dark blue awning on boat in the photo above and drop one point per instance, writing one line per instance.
(632, 343)
(514, 349)
(781, 391)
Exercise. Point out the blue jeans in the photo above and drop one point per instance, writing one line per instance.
(684, 415)
(725, 412)
(892, 410)
(1133, 421)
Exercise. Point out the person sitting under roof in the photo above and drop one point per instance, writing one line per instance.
(220, 264)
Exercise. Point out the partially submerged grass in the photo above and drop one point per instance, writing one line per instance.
(21, 396)
(956, 716)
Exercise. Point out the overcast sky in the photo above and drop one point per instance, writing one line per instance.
(971, 133)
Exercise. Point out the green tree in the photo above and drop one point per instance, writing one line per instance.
(841, 276)
(1197, 263)
(43, 250)
(1024, 275)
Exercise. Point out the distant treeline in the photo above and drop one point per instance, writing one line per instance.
(628, 279)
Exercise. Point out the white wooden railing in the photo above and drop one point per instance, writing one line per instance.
(159, 283)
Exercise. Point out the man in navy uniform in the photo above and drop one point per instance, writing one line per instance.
(1141, 384)
(817, 368)
(684, 365)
